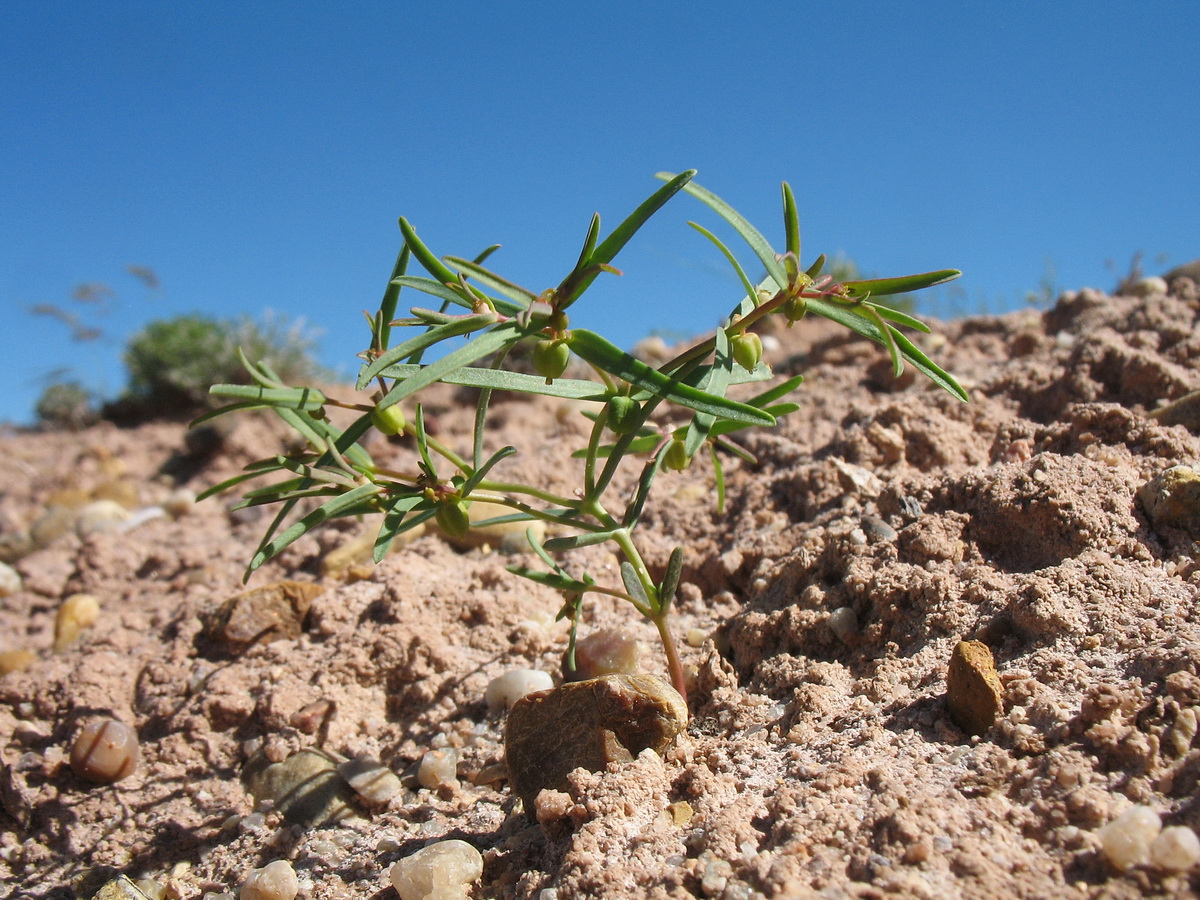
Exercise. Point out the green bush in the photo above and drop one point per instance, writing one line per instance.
(66, 405)
(172, 362)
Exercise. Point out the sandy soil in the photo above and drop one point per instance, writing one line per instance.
(816, 763)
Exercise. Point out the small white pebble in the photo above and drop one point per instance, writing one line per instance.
(372, 781)
(441, 871)
(507, 689)
(10, 580)
(274, 881)
(439, 768)
(1176, 849)
(696, 637)
(1126, 840)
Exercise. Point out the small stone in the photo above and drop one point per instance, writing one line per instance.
(305, 787)
(275, 881)
(10, 580)
(119, 490)
(442, 871)
(681, 812)
(878, 530)
(438, 769)
(105, 751)
(270, 613)
(77, 613)
(16, 660)
(374, 782)
(100, 517)
(505, 690)
(973, 690)
(52, 524)
(507, 537)
(14, 545)
(309, 719)
(120, 888)
(608, 651)
(1150, 286)
(1176, 849)
(1172, 498)
(843, 622)
(590, 724)
(179, 503)
(1125, 841)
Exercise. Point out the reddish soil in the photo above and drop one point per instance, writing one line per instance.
(815, 763)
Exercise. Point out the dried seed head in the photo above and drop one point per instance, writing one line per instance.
(105, 751)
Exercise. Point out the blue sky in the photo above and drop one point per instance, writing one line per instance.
(257, 156)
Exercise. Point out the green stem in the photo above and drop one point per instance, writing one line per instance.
(674, 663)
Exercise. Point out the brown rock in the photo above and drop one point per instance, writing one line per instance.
(587, 724)
(1172, 498)
(973, 689)
(270, 613)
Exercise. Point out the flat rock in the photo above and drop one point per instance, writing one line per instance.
(272, 612)
(973, 690)
(588, 724)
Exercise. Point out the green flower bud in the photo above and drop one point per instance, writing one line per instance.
(676, 458)
(794, 310)
(550, 358)
(623, 414)
(747, 350)
(389, 420)
(452, 518)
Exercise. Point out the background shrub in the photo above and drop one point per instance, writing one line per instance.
(66, 405)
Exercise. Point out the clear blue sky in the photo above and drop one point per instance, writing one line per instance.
(257, 156)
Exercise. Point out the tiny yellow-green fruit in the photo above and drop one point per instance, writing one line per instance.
(747, 350)
(623, 413)
(550, 358)
(794, 310)
(452, 518)
(389, 420)
(676, 458)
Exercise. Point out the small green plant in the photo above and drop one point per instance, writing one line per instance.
(173, 362)
(630, 397)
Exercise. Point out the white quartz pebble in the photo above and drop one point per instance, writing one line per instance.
(274, 881)
(504, 691)
(441, 871)
(438, 768)
(1126, 840)
(1176, 849)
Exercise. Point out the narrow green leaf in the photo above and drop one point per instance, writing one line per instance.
(550, 579)
(341, 505)
(637, 446)
(465, 325)
(225, 485)
(751, 235)
(424, 255)
(900, 318)
(791, 223)
(394, 523)
(575, 541)
(780, 390)
(517, 297)
(633, 584)
(747, 286)
(880, 287)
(670, 582)
(292, 398)
(815, 269)
(423, 442)
(435, 289)
(485, 344)
(481, 472)
(391, 296)
(222, 411)
(633, 512)
(848, 317)
(600, 353)
(719, 472)
(869, 312)
(589, 242)
(778, 410)
(487, 251)
(498, 379)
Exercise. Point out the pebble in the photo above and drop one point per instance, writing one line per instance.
(270, 613)
(275, 881)
(438, 769)
(1172, 498)
(16, 660)
(106, 750)
(590, 724)
(51, 525)
(1148, 287)
(10, 580)
(179, 503)
(100, 517)
(843, 622)
(374, 782)
(120, 888)
(442, 871)
(306, 787)
(1125, 841)
(14, 545)
(608, 651)
(973, 690)
(505, 690)
(877, 529)
(76, 614)
(1176, 849)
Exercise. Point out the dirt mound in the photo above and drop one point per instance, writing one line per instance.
(883, 523)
